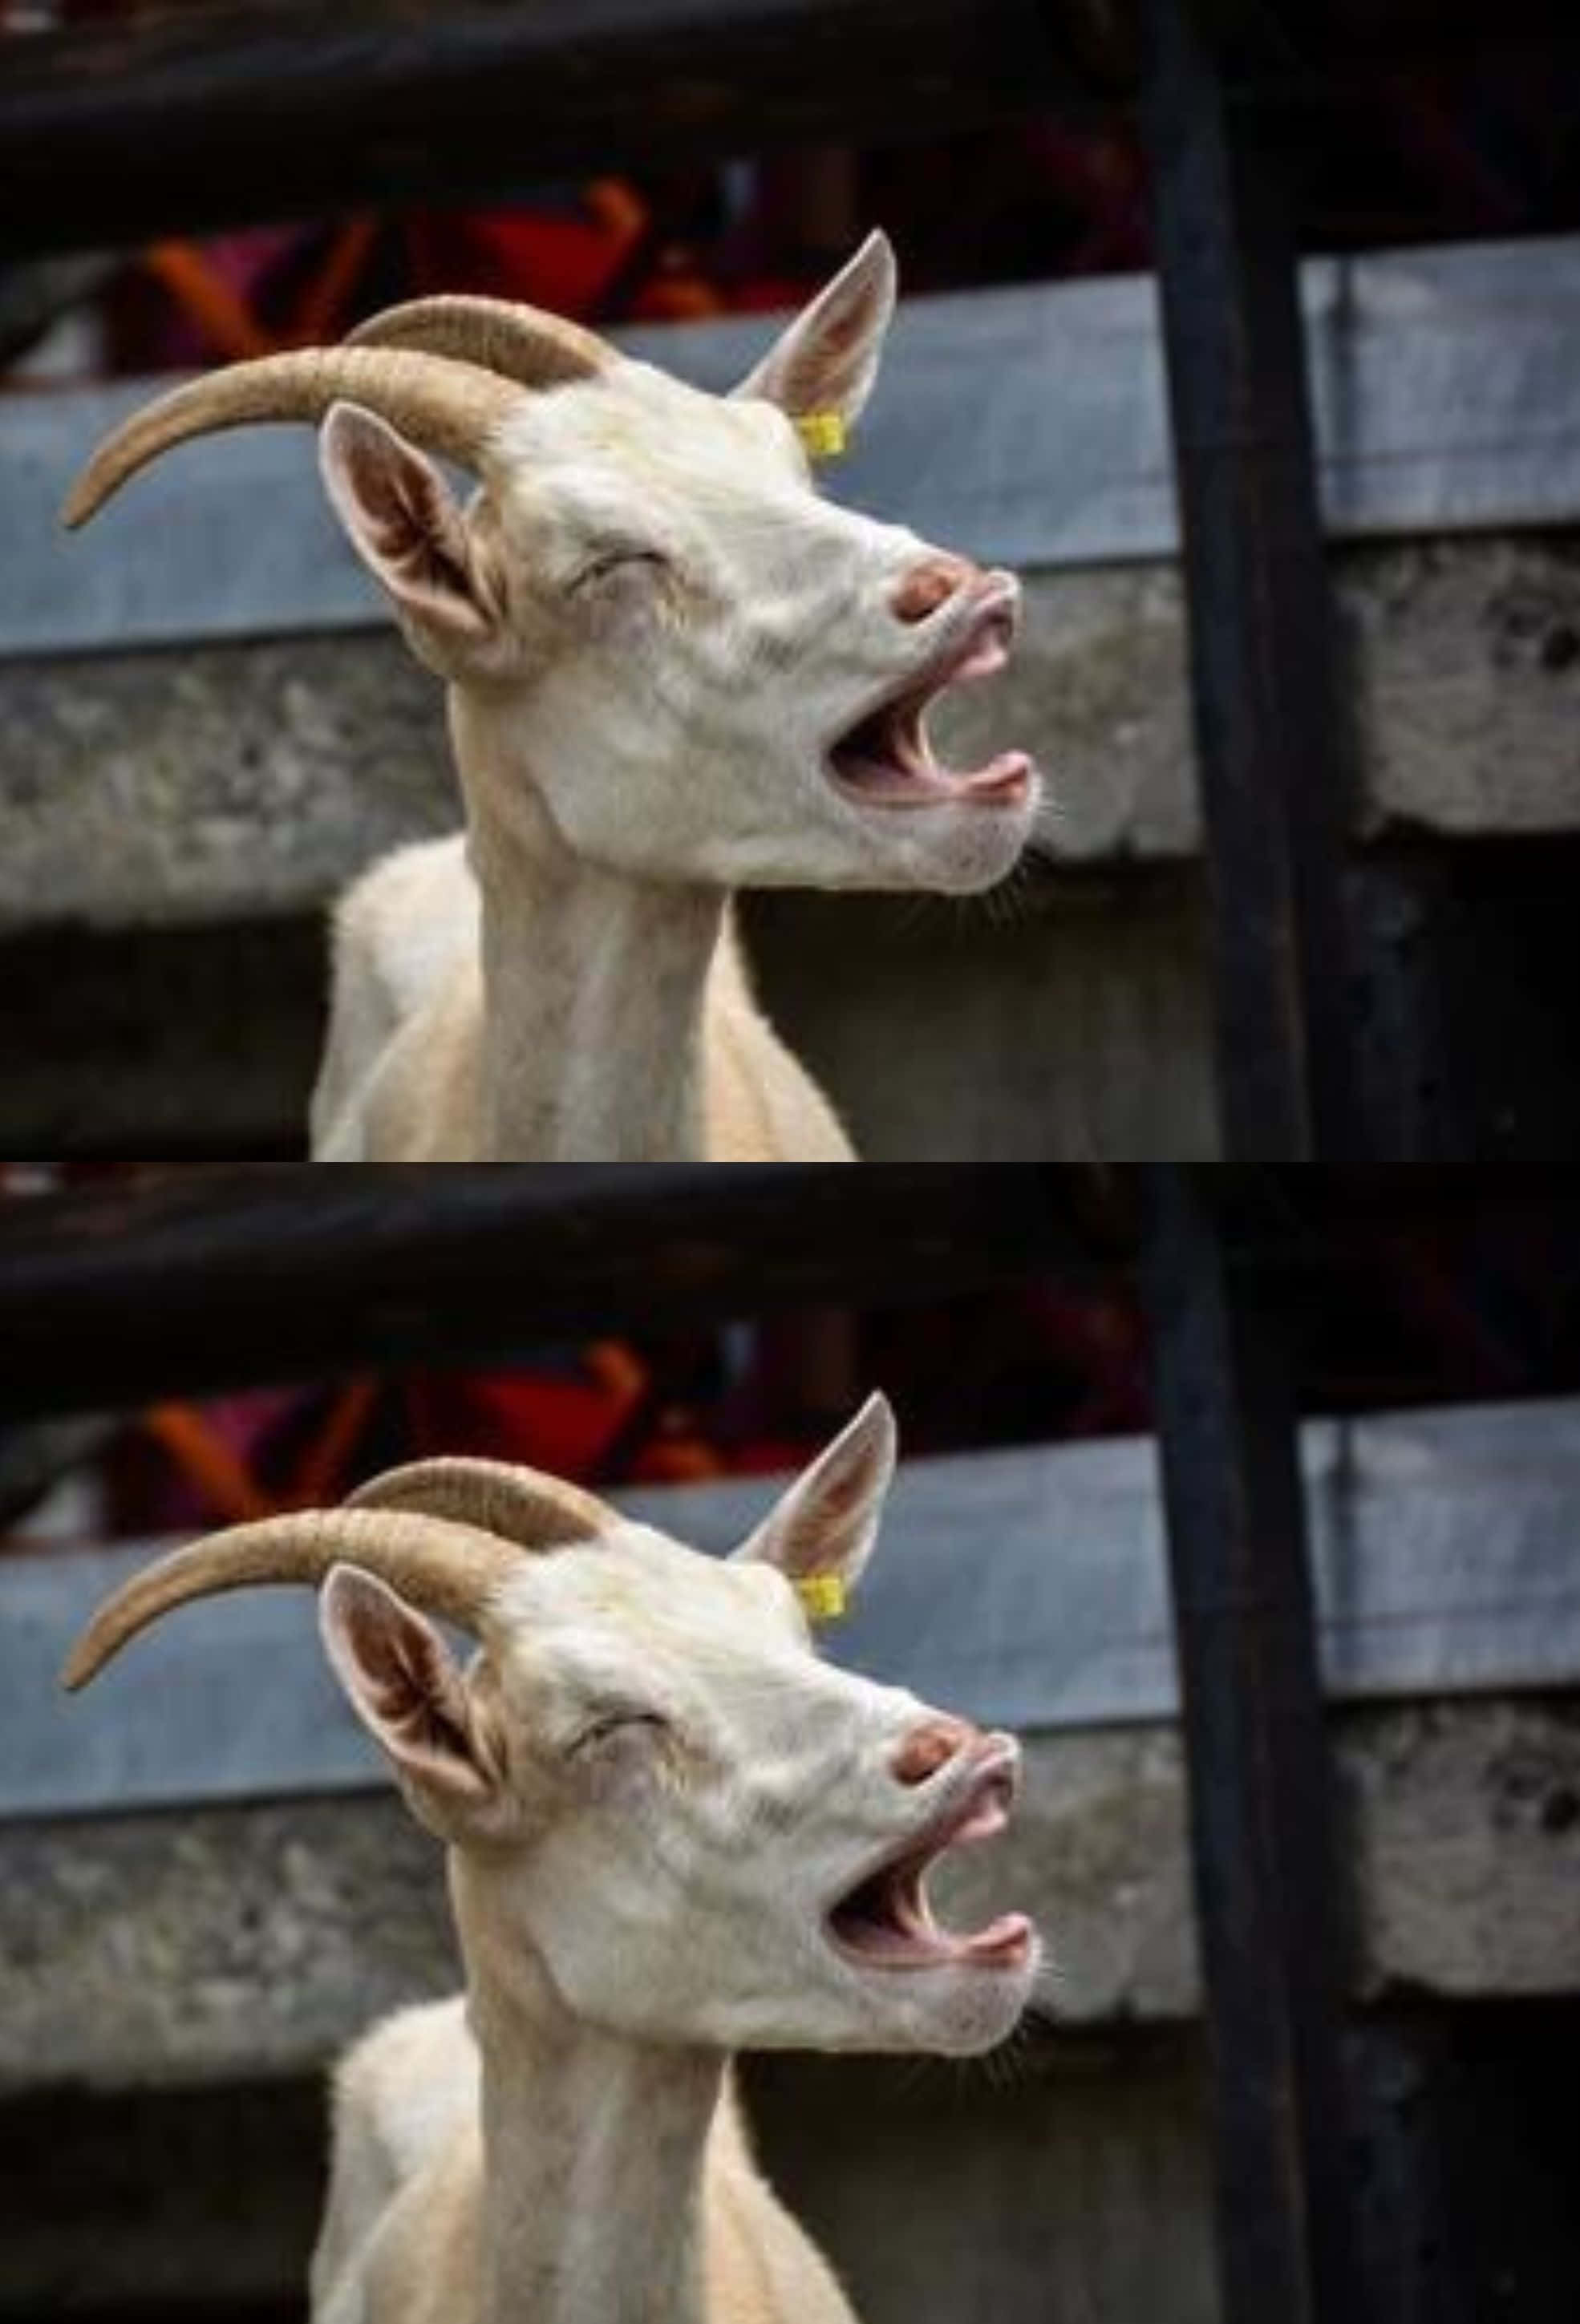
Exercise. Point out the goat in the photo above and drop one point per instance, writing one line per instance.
(672, 1831)
(672, 671)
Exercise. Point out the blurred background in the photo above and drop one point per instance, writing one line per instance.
(1473, 143)
(206, 728)
(207, 1885)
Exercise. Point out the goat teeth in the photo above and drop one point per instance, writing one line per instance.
(907, 740)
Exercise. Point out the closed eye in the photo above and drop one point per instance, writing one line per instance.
(617, 561)
(614, 1722)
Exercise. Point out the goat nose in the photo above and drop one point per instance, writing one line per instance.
(931, 1745)
(930, 584)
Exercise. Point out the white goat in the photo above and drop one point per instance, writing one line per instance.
(672, 669)
(672, 1832)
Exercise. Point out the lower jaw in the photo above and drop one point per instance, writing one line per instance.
(1007, 785)
(1016, 1954)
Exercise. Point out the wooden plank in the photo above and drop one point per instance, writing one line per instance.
(252, 110)
(247, 110)
(1273, 752)
(1026, 1587)
(112, 1296)
(1267, 1871)
(1028, 427)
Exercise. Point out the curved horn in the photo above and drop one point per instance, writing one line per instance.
(519, 1505)
(522, 343)
(446, 1569)
(451, 408)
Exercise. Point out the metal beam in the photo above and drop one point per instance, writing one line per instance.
(1265, 1868)
(1272, 754)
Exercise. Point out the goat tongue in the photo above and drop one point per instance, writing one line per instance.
(889, 758)
(887, 1919)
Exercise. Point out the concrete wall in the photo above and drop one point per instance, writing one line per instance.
(205, 1890)
(170, 1985)
(175, 821)
(174, 818)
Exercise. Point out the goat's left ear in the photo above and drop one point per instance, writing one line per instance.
(402, 519)
(826, 360)
(403, 1684)
(827, 1521)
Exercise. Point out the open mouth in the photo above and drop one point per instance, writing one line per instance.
(885, 1922)
(886, 759)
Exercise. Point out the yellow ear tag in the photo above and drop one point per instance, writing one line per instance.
(822, 1597)
(822, 433)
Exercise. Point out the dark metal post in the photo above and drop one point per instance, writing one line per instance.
(1270, 746)
(1265, 1869)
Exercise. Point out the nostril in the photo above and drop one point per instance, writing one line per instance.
(929, 585)
(929, 1747)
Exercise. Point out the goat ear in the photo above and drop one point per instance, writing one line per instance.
(400, 516)
(827, 358)
(827, 1521)
(403, 1684)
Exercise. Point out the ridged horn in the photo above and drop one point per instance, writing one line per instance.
(520, 342)
(519, 1505)
(447, 406)
(444, 1568)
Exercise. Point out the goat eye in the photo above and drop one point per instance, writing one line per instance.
(615, 560)
(614, 1722)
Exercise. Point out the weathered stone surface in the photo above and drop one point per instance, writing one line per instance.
(1050, 2183)
(234, 1943)
(220, 783)
(1466, 664)
(1466, 1834)
(1065, 1018)
(186, 1041)
(236, 781)
(215, 1945)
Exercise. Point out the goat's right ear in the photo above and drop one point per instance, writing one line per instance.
(826, 361)
(403, 1684)
(402, 519)
(824, 1526)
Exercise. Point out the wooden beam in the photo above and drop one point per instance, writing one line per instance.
(1267, 1868)
(114, 1296)
(174, 119)
(1271, 750)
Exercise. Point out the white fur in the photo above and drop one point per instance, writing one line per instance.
(651, 1792)
(651, 629)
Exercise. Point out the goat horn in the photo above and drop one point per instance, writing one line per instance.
(447, 406)
(519, 1505)
(447, 1568)
(522, 343)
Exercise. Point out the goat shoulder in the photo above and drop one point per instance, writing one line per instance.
(404, 936)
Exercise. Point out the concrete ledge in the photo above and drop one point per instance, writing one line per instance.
(231, 781)
(232, 1944)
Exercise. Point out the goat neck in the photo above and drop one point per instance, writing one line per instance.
(594, 2147)
(594, 980)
